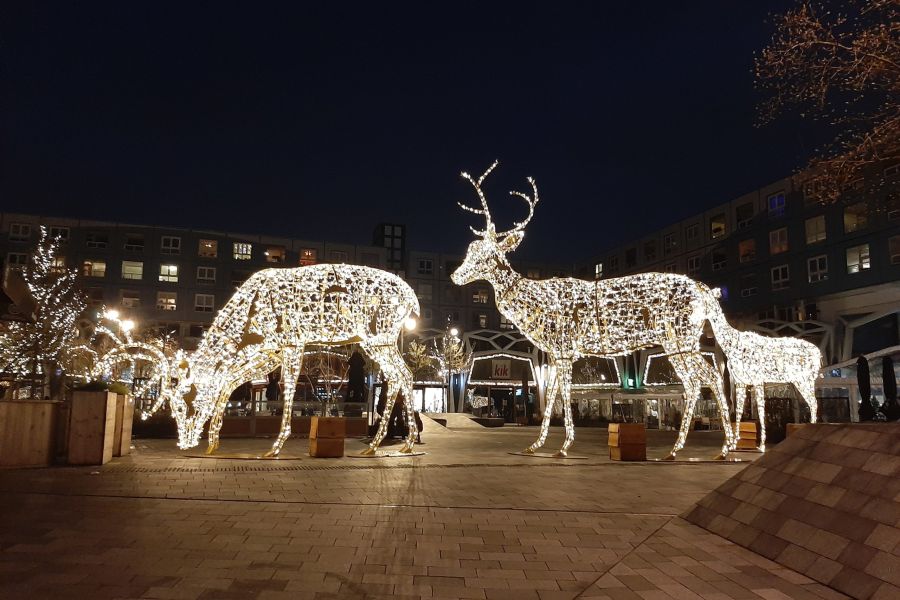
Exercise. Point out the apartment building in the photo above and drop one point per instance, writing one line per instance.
(788, 264)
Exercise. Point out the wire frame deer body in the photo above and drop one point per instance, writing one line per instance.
(570, 318)
(267, 324)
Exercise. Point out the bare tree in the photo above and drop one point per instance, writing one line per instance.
(838, 62)
(420, 361)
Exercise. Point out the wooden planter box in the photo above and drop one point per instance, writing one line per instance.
(92, 428)
(326, 437)
(746, 435)
(124, 420)
(627, 441)
(27, 433)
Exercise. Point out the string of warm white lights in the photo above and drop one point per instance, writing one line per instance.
(570, 318)
(755, 360)
(268, 322)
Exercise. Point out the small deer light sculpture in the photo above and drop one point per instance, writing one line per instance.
(569, 318)
(267, 324)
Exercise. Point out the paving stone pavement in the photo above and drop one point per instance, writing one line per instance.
(484, 525)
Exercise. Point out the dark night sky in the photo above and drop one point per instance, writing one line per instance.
(318, 120)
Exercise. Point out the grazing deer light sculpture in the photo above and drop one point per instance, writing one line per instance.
(569, 318)
(267, 324)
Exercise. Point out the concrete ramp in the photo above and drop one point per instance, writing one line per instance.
(457, 420)
(430, 426)
(825, 502)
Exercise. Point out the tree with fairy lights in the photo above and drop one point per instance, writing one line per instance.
(452, 357)
(38, 348)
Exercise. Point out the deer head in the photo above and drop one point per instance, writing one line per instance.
(486, 256)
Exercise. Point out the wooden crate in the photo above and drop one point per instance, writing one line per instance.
(627, 441)
(92, 428)
(326, 447)
(328, 427)
(124, 421)
(746, 435)
(27, 433)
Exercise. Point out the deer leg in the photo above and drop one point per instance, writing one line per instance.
(549, 399)
(403, 376)
(740, 391)
(807, 389)
(291, 362)
(565, 390)
(714, 381)
(759, 396)
(682, 367)
(381, 355)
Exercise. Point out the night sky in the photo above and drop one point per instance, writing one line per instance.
(318, 120)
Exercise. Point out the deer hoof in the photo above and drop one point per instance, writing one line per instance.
(406, 449)
(528, 450)
(670, 456)
(561, 454)
(370, 451)
(271, 453)
(211, 449)
(762, 448)
(721, 455)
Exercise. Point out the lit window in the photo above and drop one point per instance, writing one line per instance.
(208, 248)
(506, 324)
(855, 217)
(170, 244)
(744, 215)
(130, 299)
(817, 268)
(59, 233)
(19, 232)
(168, 273)
(96, 240)
(132, 269)
(425, 292)
(778, 241)
(134, 242)
(781, 277)
(242, 251)
(747, 250)
(58, 265)
(93, 268)
(308, 256)
(692, 232)
(275, 254)
(426, 266)
(16, 260)
(480, 297)
(894, 245)
(339, 256)
(858, 258)
(776, 205)
(598, 271)
(693, 265)
(206, 274)
(717, 226)
(480, 321)
(204, 302)
(166, 300)
(815, 229)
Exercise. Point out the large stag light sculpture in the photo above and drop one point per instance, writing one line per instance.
(755, 360)
(569, 318)
(267, 324)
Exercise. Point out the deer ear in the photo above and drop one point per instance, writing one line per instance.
(511, 241)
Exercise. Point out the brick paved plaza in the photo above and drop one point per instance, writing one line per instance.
(466, 520)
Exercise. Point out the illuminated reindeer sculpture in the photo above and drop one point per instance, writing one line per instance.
(755, 360)
(267, 324)
(569, 318)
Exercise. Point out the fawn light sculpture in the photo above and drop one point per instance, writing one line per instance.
(569, 318)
